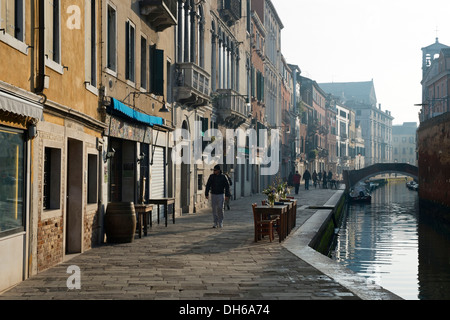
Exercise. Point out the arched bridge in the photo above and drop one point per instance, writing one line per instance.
(352, 177)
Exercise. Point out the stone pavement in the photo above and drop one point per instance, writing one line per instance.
(190, 260)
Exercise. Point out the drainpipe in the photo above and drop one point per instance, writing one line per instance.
(39, 89)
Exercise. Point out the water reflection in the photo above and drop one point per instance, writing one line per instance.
(434, 256)
(389, 244)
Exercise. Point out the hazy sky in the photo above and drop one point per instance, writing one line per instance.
(360, 40)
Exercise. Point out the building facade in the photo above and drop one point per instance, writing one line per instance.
(376, 124)
(404, 143)
(135, 96)
(314, 103)
(258, 106)
(51, 119)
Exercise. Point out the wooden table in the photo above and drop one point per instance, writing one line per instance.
(143, 212)
(277, 210)
(165, 202)
(293, 211)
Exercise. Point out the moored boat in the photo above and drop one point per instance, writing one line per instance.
(360, 194)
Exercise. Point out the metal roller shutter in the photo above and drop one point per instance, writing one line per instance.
(157, 178)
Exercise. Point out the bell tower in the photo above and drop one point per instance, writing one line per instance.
(430, 53)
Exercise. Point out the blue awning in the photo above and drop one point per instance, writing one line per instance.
(136, 115)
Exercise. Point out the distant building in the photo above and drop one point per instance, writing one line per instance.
(314, 103)
(404, 143)
(376, 124)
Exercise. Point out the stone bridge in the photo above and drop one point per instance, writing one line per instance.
(352, 177)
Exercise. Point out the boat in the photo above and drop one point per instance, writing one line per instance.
(412, 185)
(360, 194)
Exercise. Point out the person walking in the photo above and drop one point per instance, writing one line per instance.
(306, 177)
(220, 191)
(296, 181)
(324, 177)
(330, 179)
(314, 178)
(227, 202)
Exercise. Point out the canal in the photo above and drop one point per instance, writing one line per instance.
(393, 243)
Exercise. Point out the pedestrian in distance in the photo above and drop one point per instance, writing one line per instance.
(296, 181)
(314, 178)
(330, 178)
(220, 192)
(306, 177)
(324, 181)
(227, 202)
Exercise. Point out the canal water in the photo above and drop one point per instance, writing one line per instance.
(393, 243)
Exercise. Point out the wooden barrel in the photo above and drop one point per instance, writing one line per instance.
(120, 222)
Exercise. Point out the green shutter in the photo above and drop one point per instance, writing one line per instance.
(262, 88)
(157, 76)
(253, 81)
(127, 50)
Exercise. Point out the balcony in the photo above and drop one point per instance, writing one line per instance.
(161, 14)
(192, 87)
(230, 11)
(232, 107)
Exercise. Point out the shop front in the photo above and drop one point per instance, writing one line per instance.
(136, 155)
(17, 127)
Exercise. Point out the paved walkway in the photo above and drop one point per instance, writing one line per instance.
(190, 260)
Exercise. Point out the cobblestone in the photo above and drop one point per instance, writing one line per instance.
(190, 260)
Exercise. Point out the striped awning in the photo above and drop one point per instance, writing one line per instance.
(20, 106)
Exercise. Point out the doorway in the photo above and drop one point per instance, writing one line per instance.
(74, 203)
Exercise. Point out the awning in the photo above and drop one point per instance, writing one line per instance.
(136, 115)
(20, 106)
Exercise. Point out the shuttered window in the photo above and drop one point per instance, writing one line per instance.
(90, 48)
(111, 52)
(143, 62)
(157, 71)
(130, 38)
(259, 86)
(52, 30)
(12, 18)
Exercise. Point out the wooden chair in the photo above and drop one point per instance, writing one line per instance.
(263, 227)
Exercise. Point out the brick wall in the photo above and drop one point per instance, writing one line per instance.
(49, 243)
(434, 160)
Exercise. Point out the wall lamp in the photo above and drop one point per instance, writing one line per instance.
(141, 157)
(110, 154)
(164, 108)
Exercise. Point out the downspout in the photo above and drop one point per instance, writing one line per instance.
(39, 89)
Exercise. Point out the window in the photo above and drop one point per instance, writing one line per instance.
(156, 71)
(12, 18)
(91, 49)
(52, 179)
(111, 52)
(143, 63)
(92, 178)
(129, 51)
(12, 184)
(52, 31)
